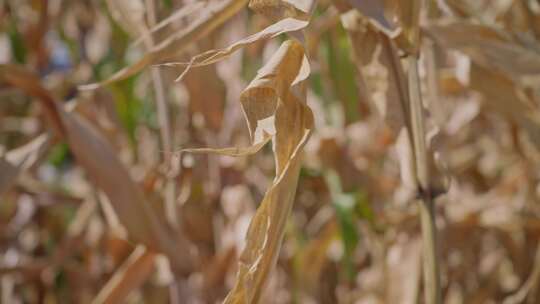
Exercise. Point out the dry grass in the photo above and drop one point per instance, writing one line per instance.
(391, 153)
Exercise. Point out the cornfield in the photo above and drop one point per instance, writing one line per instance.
(270, 151)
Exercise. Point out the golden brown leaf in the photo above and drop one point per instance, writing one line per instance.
(273, 95)
(213, 56)
(131, 275)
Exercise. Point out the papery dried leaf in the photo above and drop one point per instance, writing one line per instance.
(271, 94)
(99, 160)
(176, 43)
(273, 104)
(234, 151)
(489, 48)
(131, 275)
(272, 107)
(213, 56)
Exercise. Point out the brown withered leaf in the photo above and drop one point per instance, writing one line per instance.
(97, 157)
(274, 108)
(232, 151)
(213, 17)
(131, 275)
(277, 94)
(490, 48)
(213, 56)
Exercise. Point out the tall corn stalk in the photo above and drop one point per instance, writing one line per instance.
(432, 288)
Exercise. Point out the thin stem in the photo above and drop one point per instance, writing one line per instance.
(432, 286)
(163, 120)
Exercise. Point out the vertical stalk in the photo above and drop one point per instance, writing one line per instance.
(163, 120)
(432, 286)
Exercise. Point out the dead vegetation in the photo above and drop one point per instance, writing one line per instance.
(391, 153)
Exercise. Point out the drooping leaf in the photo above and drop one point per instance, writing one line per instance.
(213, 56)
(272, 94)
(99, 160)
(274, 107)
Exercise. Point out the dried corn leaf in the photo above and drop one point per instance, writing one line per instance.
(274, 105)
(233, 151)
(271, 94)
(213, 56)
(131, 275)
(213, 17)
(96, 155)
(489, 48)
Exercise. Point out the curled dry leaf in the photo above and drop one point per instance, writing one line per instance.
(213, 56)
(276, 94)
(99, 160)
(274, 107)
